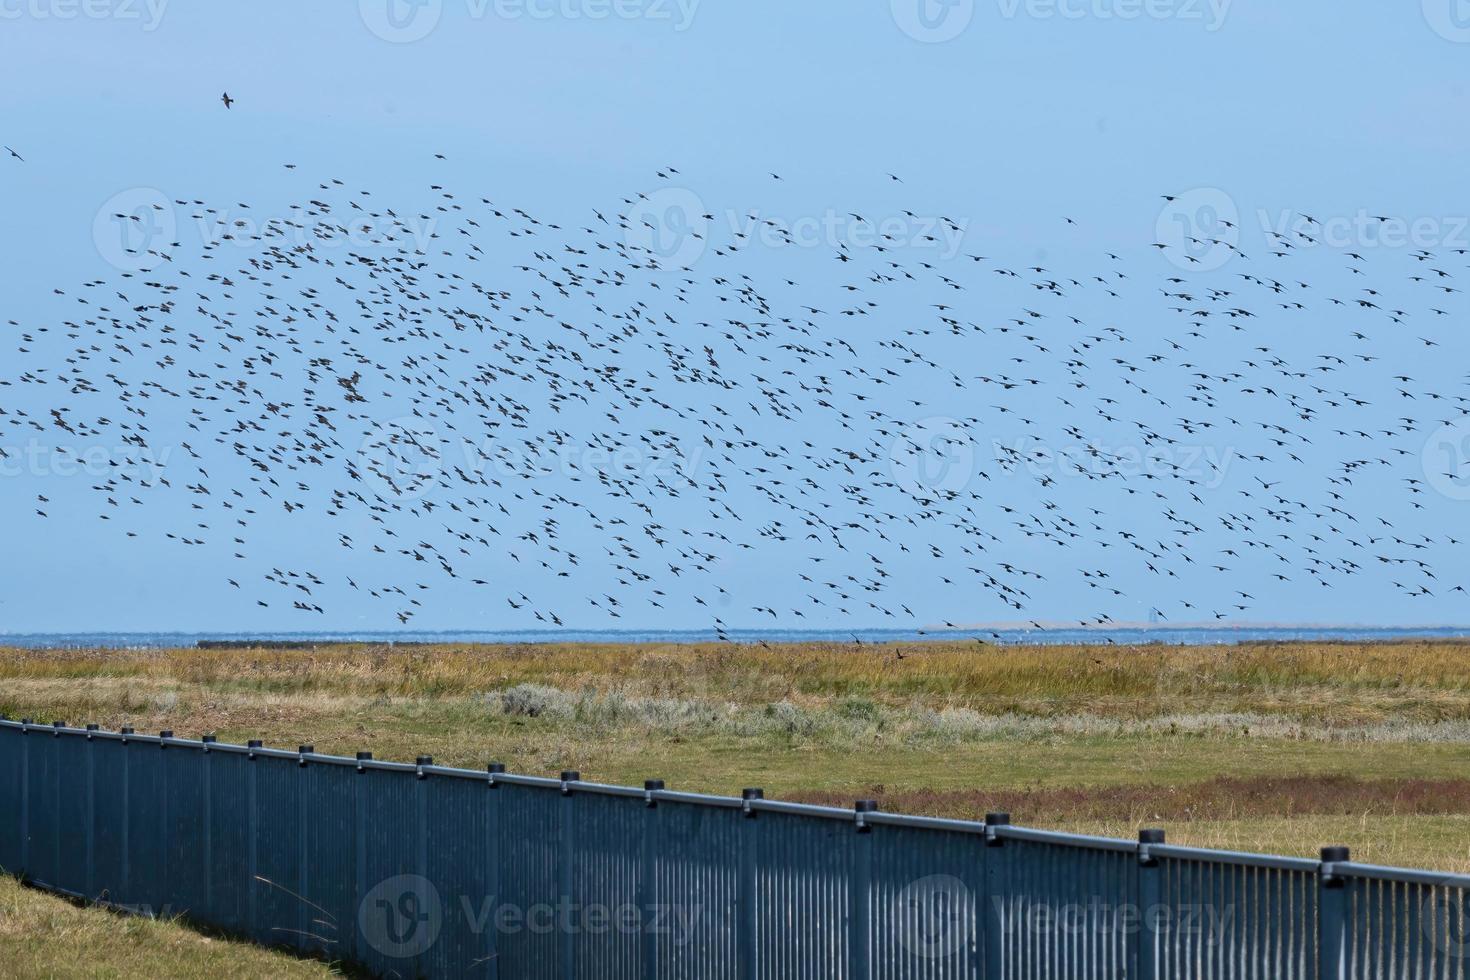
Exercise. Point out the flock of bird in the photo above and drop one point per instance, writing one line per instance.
(468, 396)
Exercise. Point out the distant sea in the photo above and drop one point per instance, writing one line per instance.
(1192, 636)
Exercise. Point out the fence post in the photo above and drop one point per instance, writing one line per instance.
(1148, 945)
(492, 870)
(568, 823)
(91, 872)
(304, 932)
(25, 798)
(127, 816)
(745, 924)
(997, 891)
(860, 893)
(421, 845)
(208, 808)
(164, 877)
(252, 832)
(1332, 916)
(56, 766)
(359, 837)
(648, 878)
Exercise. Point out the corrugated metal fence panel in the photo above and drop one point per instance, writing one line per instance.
(396, 919)
(11, 800)
(42, 792)
(1060, 912)
(530, 828)
(1399, 929)
(280, 911)
(803, 872)
(328, 794)
(928, 889)
(1236, 922)
(698, 860)
(184, 831)
(603, 861)
(227, 867)
(462, 875)
(147, 880)
(110, 814)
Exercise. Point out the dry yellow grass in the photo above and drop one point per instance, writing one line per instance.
(42, 935)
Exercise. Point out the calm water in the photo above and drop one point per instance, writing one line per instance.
(1191, 636)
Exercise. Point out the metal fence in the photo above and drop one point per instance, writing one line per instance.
(421, 870)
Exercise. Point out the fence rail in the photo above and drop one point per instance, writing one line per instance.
(423, 870)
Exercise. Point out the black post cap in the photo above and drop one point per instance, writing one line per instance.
(752, 793)
(424, 760)
(208, 739)
(653, 784)
(364, 756)
(254, 743)
(865, 806)
(306, 749)
(58, 724)
(570, 775)
(125, 730)
(1335, 855)
(166, 733)
(1151, 835)
(92, 726)
(999, 819)
(495, 768)
(27, 721)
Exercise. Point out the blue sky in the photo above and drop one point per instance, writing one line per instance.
(1003, 115)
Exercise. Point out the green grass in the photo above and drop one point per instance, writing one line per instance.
(43, 936)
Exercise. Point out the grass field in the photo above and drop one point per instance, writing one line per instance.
(1269, 747)
(45, 936)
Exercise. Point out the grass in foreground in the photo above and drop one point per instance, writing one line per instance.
(1280, 747)
(42, 935)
